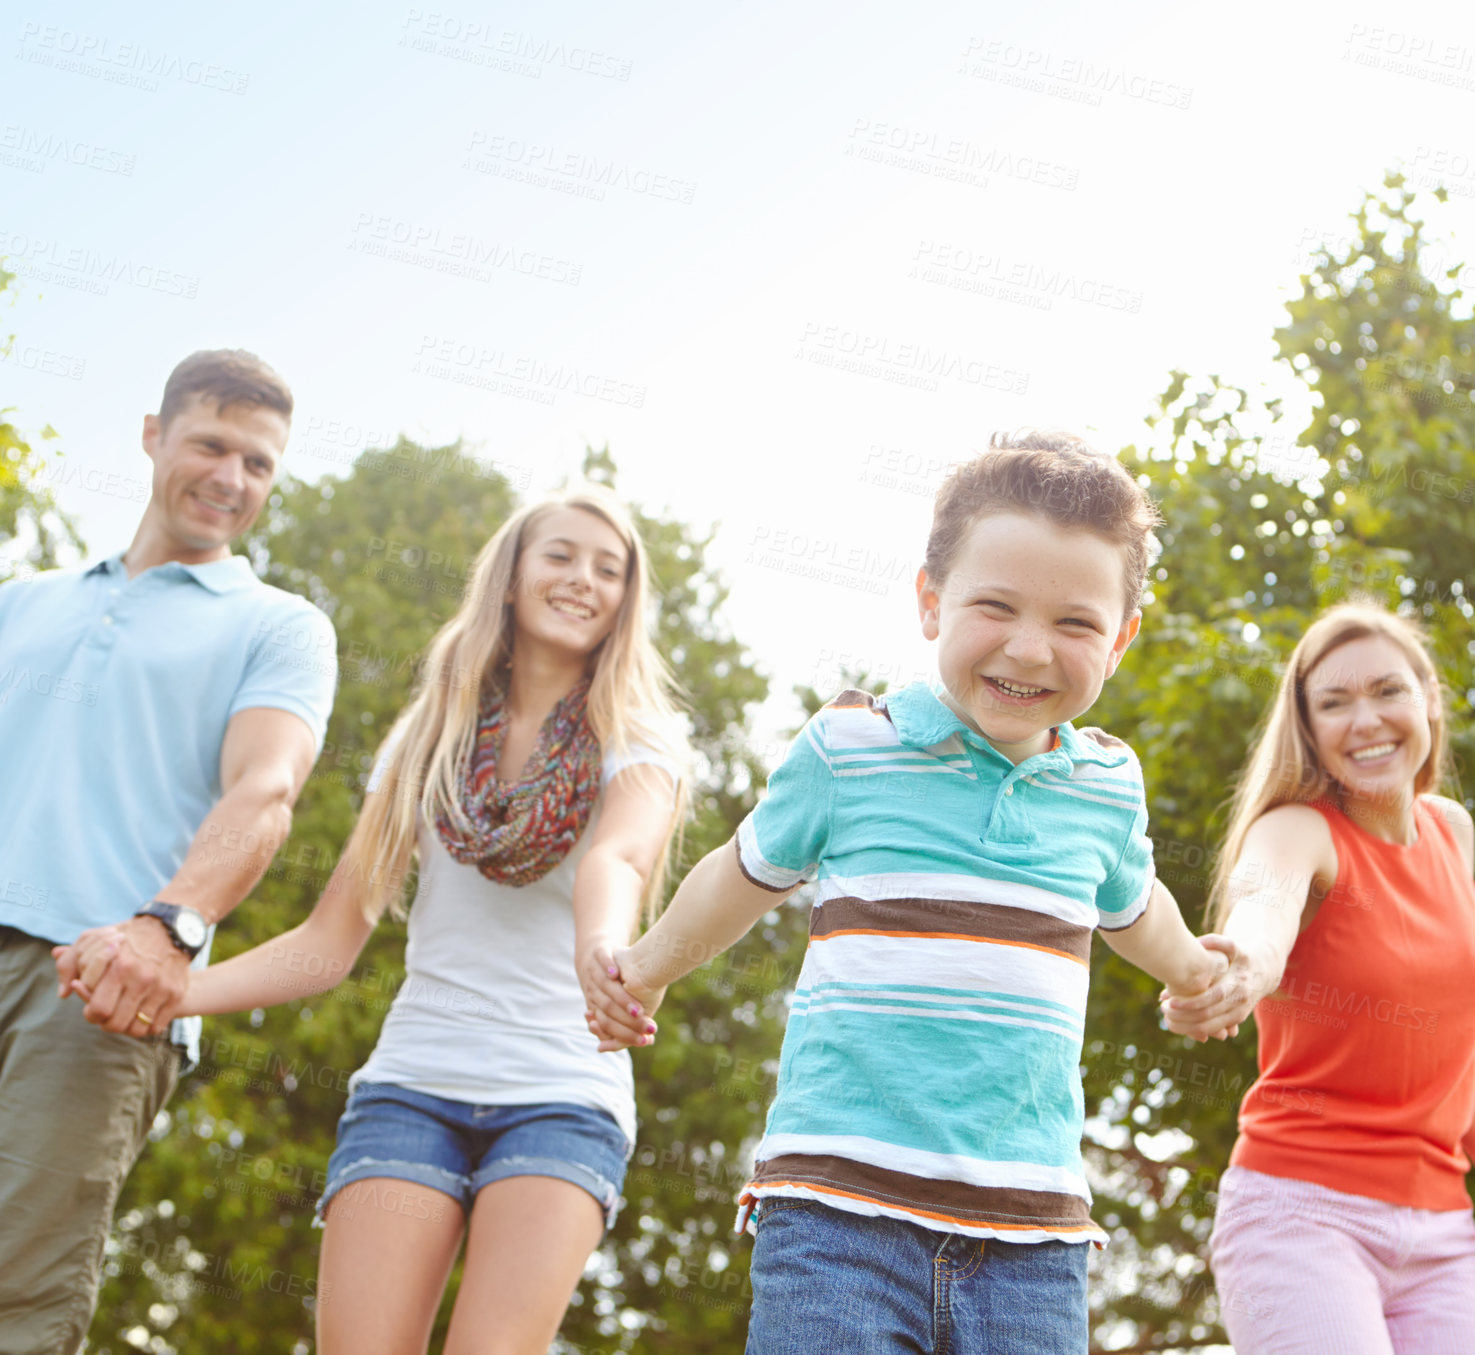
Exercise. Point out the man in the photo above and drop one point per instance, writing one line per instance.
(159, 713)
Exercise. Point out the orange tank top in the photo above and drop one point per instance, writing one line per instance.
(1367, 1049)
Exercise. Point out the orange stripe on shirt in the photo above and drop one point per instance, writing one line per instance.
(931, 1214)
(949, 936)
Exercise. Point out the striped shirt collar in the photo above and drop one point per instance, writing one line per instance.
(219, 576)
(922, 720)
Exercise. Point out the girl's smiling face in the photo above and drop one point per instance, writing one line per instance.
(1368, 713)
(1029, 626)
(570, 581)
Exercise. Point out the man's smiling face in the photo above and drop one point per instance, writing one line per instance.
(213, 470)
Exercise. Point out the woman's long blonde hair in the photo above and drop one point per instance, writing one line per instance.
(1283, 765)
(630, 700)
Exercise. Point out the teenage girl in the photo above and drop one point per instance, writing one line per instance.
(535, 778)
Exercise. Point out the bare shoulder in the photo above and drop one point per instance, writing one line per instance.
(1294, 835)
(1458, 818)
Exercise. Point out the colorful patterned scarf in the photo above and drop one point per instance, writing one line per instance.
(521, 830)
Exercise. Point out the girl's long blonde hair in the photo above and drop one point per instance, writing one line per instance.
(1283, 766)
(426, 751)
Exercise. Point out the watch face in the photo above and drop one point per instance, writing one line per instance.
(191, 927)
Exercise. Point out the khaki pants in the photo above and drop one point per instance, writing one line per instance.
(75, 1108)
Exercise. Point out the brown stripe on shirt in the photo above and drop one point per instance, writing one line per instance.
(951, 917)
(1006, 1206)
(753, 879)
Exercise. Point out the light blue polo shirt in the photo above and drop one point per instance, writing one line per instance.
(114, 700)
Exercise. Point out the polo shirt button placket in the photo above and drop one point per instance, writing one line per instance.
(107, 619)
(983, 771)
(1017, 828)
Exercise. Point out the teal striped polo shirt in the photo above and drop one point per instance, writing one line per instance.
(931, 1065)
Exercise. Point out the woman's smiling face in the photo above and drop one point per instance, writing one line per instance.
(1368, 712)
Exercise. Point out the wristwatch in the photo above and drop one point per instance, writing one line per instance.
(186, 928)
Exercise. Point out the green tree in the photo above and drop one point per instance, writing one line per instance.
(670, 1276)
(213, 1247)
(1266, 524)
(34, 532)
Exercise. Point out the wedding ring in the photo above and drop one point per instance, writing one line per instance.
(145, 1018)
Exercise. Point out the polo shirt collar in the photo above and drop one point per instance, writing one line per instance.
(1078, 748)
(923, 719)
(219, 576)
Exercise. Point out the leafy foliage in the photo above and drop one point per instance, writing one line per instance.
(34, 532)
(216, 1219)
(1264, 529)
(1265, 525)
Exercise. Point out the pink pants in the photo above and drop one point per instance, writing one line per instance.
(1304, 1270)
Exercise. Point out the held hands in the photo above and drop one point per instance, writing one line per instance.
(131, 976)
(1212, 966)
(1217, 1008)
(620, 1005)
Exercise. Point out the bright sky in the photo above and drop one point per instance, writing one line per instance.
(790, 261)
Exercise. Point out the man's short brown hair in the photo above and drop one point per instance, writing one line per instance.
(1056, 476)
(225, 376)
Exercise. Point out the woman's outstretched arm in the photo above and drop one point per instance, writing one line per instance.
(1287, 852)
(1463, 827)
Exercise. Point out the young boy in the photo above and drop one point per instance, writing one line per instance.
(920, 1185)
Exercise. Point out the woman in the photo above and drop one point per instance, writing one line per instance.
(1343, 1223)
(536, 776)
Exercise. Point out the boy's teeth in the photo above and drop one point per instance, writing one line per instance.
(1377, 750)
(1015, 690)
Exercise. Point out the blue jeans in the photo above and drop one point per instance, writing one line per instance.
(845, 1284)
(457, 1147)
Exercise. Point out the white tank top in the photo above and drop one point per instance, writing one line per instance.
(491, 1011)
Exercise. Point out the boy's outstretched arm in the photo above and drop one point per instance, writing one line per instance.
(1287, 854)
(714, 907)
(1160, 943)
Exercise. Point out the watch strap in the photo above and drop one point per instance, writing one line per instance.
(168, 914)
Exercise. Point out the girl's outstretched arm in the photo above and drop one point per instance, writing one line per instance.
(1287, 851)
(713, 908)
(634, 827)
(311, 958)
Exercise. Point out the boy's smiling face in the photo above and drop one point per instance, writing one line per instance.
(1029, 626)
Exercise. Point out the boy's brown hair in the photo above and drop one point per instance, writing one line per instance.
(225, 376)
(1056, 476)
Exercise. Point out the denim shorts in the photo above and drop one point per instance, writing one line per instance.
(457, 1148)
(849, 1284)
